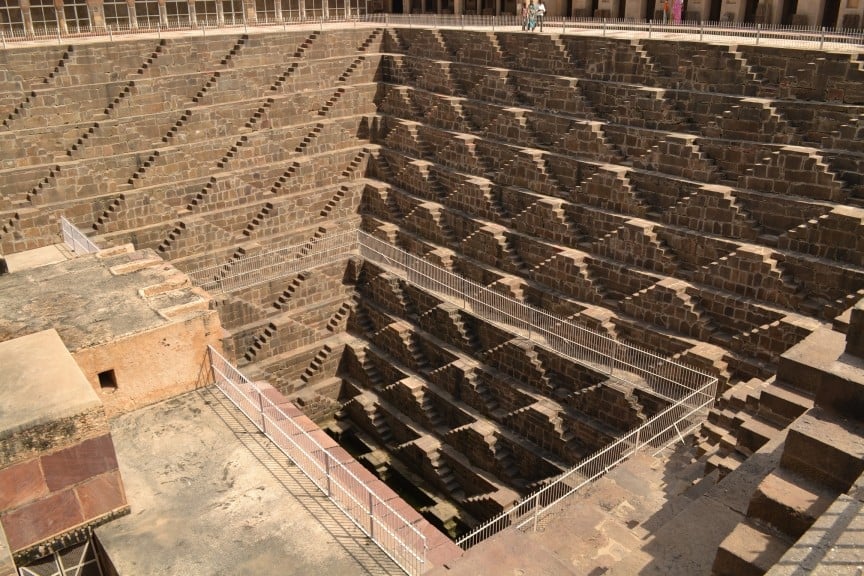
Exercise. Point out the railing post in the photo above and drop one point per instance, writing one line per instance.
(261, 411)
(822, 38)
(650, 28)
(604, 27)
(536, 512)
(371, 517)
(758, 32)
(327, 472)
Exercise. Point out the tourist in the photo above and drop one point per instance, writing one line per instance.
(677, 7)
(524, 16)
(665, 11)
(541, 13)
(532, 15)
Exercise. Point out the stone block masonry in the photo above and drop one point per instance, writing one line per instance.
(688, 197)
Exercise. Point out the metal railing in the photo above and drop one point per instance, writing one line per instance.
(250, 270)
(75, 239)
(738, 32)
(662, 429)
(741, 32)
(618, 360)
(689, 392)
(403, 542)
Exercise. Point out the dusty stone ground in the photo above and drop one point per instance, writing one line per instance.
(652, 516)
(210, 495)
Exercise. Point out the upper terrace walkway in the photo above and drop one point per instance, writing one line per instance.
(726, 32)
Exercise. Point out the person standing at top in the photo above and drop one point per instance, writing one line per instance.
(665, 11)
(541, 13)
(532, 15)
(524, 16)
(677, 8)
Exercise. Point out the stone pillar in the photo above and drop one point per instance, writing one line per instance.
(133, 14)
(61, 16)
(497, 7)
(193, 18)
(26, 16)
(163, 13)
(458, 7)
(438, 7)
(97, 15)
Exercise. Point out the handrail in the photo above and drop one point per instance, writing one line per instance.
(249, 270)
(618, 360)
(737, 32)
(76, 240)
(397, 537)
(658, 432)
(689, 392)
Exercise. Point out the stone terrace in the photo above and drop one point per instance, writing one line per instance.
(703, 200)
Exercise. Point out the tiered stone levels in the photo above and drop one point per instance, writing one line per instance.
(659, 181)
(703, 200)
(481, 415)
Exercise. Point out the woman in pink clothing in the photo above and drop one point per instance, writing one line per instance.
(677, 7)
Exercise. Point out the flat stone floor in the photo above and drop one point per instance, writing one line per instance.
(210, 495)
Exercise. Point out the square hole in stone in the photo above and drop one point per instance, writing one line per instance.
(108, 381)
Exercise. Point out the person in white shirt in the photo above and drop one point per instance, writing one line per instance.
(541, 13)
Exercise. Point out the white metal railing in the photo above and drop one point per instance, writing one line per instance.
(398, 537)
(75, 239)
(690, 393)
(250, 270)
(738, 32)
(622, 361)
(616, 359)
(664, 428)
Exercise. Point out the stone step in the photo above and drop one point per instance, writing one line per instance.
(748, 551)
(826, 448)
(782, 404)
(744, 394)
(754, 432)
(803, 366)
(789, 503)
(723, 464)
(843, 387)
